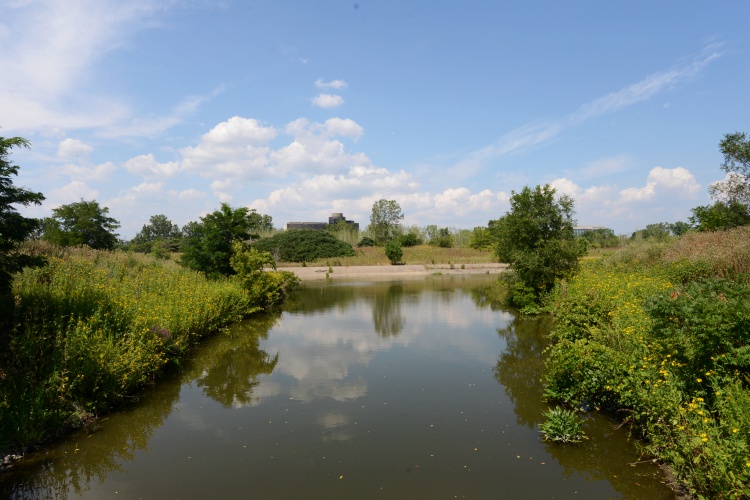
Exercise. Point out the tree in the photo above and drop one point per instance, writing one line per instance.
(679, 228)
(14, 228)
(536, 238)
(732, 195)
(385, 221)
(159, 229)
(481, 238)
(442, 238)
(394, 252)
(208, 244)
(720, 216)
(81, 223)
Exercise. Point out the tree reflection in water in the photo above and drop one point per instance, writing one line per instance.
(520, 367)
(386, 311)
(232, 372)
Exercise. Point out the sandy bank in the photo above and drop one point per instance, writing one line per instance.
(392, 272)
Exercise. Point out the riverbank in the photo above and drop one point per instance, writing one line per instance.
(407, 271)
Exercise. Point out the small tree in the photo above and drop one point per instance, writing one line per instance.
(394, 252)
(536, 238)
(385, 221)
(81, 223)
(14, 228)
(208, 244)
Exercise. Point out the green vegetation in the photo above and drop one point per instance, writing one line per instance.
(208, 244)
(659, 333)
(304, 245)
(160, 235)
(536, 238)
(14, 228)
(91, 328)
(394, 252)
(439, 237)
(421, 254)
(385, 221)
(81, 223)
(562, 426)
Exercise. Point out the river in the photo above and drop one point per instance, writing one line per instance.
(425, 388)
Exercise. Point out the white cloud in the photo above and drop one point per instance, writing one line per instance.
(73, 148)
(328, 101)
(333, 84)
(48, 56)
(678, 180)
(646, 88)
(99, 172)
(344, 127)
(70, 193)
(235, 147)
(147, 166)
(544, 131)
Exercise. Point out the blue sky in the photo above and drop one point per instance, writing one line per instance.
(300, 108)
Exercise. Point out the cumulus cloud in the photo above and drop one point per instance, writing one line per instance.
(69, 193)
(237, 147)
(147, 166)
(667, 195)
(73, 148)
(328, 101)
(678, 180)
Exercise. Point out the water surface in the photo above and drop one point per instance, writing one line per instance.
(416, 389)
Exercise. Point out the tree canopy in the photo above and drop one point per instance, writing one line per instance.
(732, 195)
(304, 245)
(81, 223)
(385, 221)
(14, 228)
(207, 246)
(536, 238)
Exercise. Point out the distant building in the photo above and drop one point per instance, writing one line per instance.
(320, 226)
(580, 230)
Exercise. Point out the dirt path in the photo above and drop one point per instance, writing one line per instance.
(391, 272)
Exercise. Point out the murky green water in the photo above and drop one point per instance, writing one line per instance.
(414, 389)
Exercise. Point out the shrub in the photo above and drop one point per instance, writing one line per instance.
(393, 252)
(304, 245)
(366, 242)
(410, 239)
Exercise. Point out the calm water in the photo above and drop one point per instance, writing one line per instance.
(415, 389)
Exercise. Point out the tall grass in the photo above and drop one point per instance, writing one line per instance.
(89, 329)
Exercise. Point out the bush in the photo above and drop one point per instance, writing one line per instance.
(393, 252)
(366, 242)
(303, 245)
(410, 239)
(657, 335)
